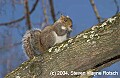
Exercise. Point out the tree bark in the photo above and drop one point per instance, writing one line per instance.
(95, 48)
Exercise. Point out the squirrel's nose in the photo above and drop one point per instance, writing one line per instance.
(70, 29)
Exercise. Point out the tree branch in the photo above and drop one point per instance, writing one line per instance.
(95, 48)
(44, 12)
(20, 19)
(52, 10)
(27, 15)
(95, 10)
(10, 46)
(117, 6)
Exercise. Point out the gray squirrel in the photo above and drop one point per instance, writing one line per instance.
(37, 41)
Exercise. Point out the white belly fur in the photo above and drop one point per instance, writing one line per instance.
(59, 39)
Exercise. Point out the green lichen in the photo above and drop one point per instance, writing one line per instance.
(94, 33)
(59, 47)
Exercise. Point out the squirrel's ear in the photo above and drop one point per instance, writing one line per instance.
(67, 16)
(62, 16)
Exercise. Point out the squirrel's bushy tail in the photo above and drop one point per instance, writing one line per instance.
(31, 42)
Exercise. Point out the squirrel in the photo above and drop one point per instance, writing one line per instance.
(37, 41)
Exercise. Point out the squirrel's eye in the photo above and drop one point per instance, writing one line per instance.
(65, 20)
